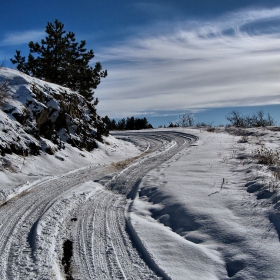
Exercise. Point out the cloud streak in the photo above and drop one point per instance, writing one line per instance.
(197, 65)
(19, 38)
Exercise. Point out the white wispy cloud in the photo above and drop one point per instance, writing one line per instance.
(18, 38)
(199, 65)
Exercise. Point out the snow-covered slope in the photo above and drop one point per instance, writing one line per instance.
(47, 130)
(38, 111)
(212, 211)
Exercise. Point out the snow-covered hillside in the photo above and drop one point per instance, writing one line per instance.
(41, 116)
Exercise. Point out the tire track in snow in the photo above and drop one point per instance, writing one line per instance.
(18, 225)
(111, 245)
(102, 247)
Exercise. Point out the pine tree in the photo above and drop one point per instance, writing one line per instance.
(121, 124)
(130, 123)
(60, 59)
(113, 125)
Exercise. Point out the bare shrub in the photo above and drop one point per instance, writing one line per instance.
(267, 156)
(210, 129)
(204, 124)
(187, 119)
(258, 119)
(271, 158)
(236, 119)
(244, 139)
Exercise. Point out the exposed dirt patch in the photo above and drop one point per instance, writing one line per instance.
(66, 260)
(124, 163)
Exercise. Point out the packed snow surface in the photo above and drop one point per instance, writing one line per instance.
(152, 204)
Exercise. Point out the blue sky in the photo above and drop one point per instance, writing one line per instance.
(165, 56)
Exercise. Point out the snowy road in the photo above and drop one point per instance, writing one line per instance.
(76, 224)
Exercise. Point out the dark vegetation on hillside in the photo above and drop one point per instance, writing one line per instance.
(127, 124)
(4, 93)
(40, 112)
(61, 60)
(57, 115)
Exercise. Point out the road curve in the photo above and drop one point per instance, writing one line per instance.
(54, 230)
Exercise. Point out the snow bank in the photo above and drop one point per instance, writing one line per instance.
(196, 218)
(23, 172)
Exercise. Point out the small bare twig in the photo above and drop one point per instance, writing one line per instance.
(222, 183)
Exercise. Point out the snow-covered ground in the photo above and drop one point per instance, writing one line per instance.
(185, 204)
(198, 218)
(19, 173)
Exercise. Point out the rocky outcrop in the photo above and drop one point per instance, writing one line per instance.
(44, 113)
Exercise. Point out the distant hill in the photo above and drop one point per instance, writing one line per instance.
(41, 116)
